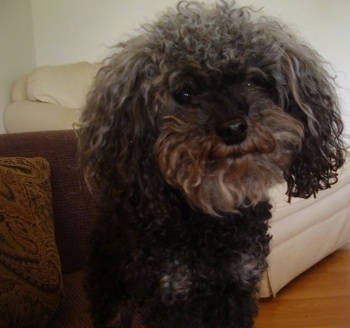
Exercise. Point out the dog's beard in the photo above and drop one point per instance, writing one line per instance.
(217, 178)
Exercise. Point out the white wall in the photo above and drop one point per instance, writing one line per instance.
(68, 31)
(17, 55)
(325, 24)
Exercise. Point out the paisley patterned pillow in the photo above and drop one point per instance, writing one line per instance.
(30, 271)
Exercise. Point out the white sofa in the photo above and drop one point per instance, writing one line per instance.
(304, 232)
(49, 98)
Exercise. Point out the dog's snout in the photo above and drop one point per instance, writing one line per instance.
(233, 132)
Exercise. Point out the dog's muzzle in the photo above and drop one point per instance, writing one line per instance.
(233, 132)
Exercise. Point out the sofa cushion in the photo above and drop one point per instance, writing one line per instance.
(30, 273)
(73, 205)
(65, 85)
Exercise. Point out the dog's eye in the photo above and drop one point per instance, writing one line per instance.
(253, 82)
(183, 97)
(257, 80)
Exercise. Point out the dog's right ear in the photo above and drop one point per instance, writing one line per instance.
(117, 128)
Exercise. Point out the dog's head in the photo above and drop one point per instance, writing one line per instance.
(219, 104)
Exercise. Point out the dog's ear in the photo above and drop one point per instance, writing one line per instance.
(117, 128)
(307, 92)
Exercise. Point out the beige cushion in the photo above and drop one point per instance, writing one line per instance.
(31, 284)
(64, 85)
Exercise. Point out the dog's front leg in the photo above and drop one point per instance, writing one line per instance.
(188, 299)
(105, 278)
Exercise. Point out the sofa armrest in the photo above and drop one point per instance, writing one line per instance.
(28, 116)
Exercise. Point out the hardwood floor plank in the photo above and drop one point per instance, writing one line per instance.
(316, 312)
(318, 298)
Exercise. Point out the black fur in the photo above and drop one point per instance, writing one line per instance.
(128, 260)
(186, 129)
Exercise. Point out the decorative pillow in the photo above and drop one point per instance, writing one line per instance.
(30, 272)
(64, 85)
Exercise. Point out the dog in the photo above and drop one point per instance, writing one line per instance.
(187, 127)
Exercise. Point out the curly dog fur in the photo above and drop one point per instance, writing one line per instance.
(188, 126)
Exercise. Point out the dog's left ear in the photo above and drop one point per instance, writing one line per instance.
(307, 93)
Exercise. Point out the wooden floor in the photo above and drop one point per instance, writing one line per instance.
(318, 298)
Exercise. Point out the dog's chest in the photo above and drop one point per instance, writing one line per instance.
(203, 255)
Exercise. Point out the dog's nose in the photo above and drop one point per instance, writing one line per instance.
(233, 132)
